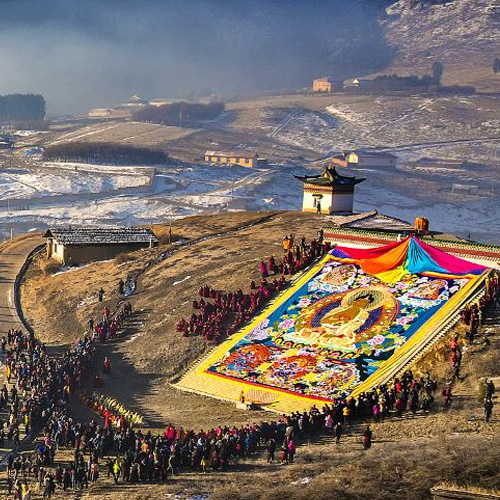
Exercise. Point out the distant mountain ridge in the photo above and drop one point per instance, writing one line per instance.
(462, 34)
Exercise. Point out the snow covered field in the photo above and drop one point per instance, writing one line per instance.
(181, 191)
(64, 178)
(411, 127)
(176, 191)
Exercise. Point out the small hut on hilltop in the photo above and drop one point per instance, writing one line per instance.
(329, 192)
(72, 246)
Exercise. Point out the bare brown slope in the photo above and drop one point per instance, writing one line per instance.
(154, 353)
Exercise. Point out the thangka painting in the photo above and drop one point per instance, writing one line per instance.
(345, 321)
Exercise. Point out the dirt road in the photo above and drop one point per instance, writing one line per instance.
(12, 257)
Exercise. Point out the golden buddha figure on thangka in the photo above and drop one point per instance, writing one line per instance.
(343, 321)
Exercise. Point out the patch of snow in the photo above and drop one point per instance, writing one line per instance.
(181, 281)
(69, 269)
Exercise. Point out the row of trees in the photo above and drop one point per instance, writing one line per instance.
(179, 113)
(104, 153)
(395, 82)
(426, 83)
(22, 108)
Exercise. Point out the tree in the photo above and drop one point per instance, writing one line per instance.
(179, 113)
(105, 153)
(22, 107)
(437, 71)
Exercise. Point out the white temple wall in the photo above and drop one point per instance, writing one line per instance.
(341, 202)
(330, 203)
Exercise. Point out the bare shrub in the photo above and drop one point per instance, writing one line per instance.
(49, 266)
(121, 258)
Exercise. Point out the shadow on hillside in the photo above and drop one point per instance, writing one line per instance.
(125, 383)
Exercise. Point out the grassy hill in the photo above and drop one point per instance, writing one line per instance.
(409, 455)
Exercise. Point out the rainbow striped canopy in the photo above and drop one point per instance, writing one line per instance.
(409, 256)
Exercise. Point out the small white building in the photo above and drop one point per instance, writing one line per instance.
(161, 101)
(329, 192)
(136, 101)
(357, 83)
(370, 159)
(100, 112)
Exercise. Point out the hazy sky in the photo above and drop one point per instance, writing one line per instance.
(95, 53)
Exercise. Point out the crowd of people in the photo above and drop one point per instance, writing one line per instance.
(132, 456)
(42, 387)
(218, 314)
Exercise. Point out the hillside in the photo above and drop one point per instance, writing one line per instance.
(155, 353)
(464, 35)
(129, 133)
(224, 251)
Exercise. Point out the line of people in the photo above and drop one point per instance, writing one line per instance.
(472, 315)
(297, 257)
(109, 326)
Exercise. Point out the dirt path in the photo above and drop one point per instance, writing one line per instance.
(12, 257)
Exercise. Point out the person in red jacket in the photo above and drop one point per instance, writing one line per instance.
(367, 438)
(106, 366)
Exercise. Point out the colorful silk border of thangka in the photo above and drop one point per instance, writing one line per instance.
(337, 331)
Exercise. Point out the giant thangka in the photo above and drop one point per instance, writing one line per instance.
(347, 325)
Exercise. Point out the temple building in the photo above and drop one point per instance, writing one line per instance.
(329, 192)
(326, 85)
(322, 85)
